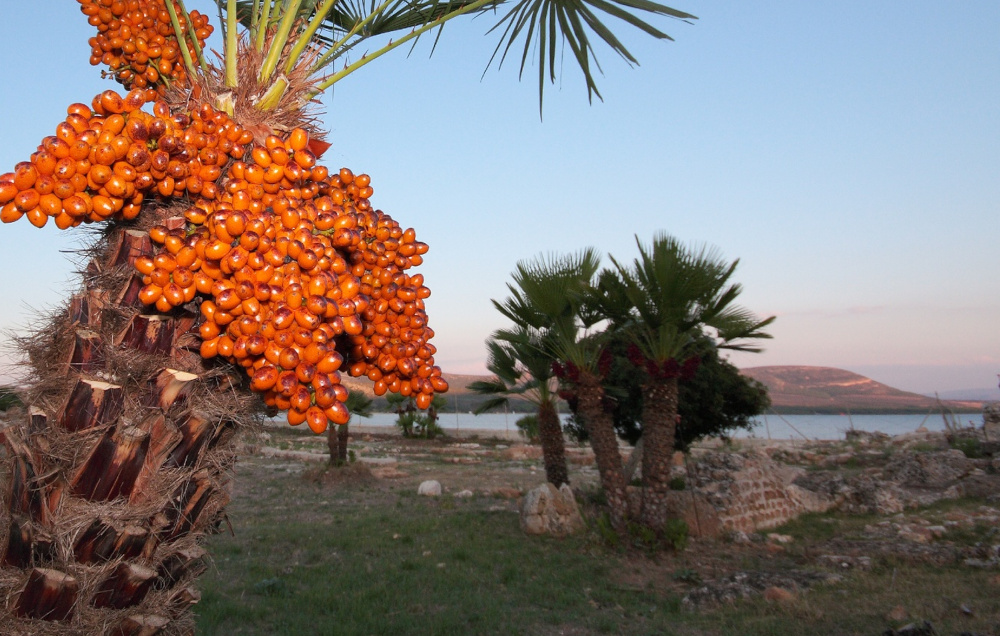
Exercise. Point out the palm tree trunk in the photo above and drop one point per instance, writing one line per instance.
(659, 421)
(600, 428)
(550, 434)
(120, 465)
(333, 443)
(342, 437)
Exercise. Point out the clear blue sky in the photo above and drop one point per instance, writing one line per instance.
(848, 153)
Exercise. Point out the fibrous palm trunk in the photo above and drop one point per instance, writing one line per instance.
(333, 444)
(553, 445)
(342, 438)
(659, 420)
(600, 429)
(120, 465)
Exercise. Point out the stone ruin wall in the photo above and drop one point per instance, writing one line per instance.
(742, 493)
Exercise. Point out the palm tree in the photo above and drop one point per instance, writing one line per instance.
(674, 296)
(120, 464)
(522, 367)
(357, 403)
(549, 297)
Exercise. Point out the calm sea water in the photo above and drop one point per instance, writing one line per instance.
(770, 426)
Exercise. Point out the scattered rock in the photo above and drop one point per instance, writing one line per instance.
(521, 453)
(991, 420)
(780, 538)
(778, 595)
(837, 460)
(916, 534)
(464, 494)
(580, 458)
(981, 563)
(982, 486)
(739, 537)
(388, 472)
(937, 469)
(380, 461)
(845, 562)
(550, 511)
(913, 629)
(936, 531)
(743, 585)
(937, 553)
(304, 456)
(506, 493)
(866, 437)
(430, 488)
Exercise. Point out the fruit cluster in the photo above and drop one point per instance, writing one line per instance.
(298, 275)
(105, 159)
(136, 40)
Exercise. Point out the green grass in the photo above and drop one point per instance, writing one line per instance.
(309, 558)
(410, 565)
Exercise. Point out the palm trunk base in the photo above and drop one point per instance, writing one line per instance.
(343, 435)
(601, 431)
(660, 427)
(550, 435)
(119, 468)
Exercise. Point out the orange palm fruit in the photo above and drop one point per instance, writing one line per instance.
(316, 419)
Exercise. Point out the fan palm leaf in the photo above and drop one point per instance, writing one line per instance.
(675, 293)
(542, 26)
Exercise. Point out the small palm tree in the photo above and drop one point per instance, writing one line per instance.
(358, 403)
(522, 367)
(674, 295)
(550, 297)
(413, 423)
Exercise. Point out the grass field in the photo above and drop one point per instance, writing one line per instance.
(345, 553)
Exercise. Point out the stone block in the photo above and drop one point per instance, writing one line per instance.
(552, 511)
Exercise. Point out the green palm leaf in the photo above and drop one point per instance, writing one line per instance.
(542, 25)
(675, 293)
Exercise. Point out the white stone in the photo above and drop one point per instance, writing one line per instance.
(430, 488)
(464, 494)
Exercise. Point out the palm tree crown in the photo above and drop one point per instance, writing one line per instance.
(338, 27)
(673, 294)
(520, 366)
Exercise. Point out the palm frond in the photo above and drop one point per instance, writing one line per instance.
(358, 403)
(677, 292)
(491, 404)
(542, 25)
(545, 23)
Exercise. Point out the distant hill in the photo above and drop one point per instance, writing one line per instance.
(793, 389)
(825, 389)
